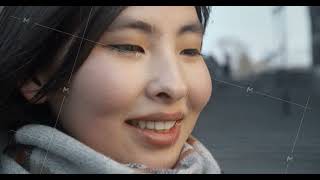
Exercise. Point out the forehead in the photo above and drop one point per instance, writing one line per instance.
(175, 12)
(161, 18)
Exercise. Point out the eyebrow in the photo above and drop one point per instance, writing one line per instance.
(195, 27)
(139, 25)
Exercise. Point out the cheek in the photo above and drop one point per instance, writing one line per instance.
(105, 85)
(200, 86)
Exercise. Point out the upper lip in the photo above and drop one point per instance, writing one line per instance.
(161, 117)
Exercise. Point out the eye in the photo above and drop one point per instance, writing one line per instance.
(191, 52)
(126, 48)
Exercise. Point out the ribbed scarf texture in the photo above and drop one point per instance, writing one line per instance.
(54, 152)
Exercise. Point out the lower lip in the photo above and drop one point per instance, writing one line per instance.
(156, 138)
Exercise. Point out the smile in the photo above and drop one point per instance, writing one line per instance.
(159, 129)
(161, 126)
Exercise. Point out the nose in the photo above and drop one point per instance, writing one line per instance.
(167, 84)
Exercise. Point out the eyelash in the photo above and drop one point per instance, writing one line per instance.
(192, 52)
(129, 48)
(126, 48)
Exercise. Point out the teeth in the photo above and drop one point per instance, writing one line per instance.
(150, 124)
(135, 123)
(154, 125)
(142, 124)
(169, 124)
(159, 125)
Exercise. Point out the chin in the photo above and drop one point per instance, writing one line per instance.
(161, 158)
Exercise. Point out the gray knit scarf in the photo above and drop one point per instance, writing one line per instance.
(64, 154)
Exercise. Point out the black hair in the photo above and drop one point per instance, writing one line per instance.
(32, 38)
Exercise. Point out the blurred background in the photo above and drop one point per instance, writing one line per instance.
(265, 64)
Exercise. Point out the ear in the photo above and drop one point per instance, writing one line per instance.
(30, 88)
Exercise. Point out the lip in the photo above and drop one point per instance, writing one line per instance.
(160, 117)
(157, 138)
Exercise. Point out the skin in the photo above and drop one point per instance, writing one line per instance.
(112, 86)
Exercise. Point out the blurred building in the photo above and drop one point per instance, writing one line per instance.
(315, 30)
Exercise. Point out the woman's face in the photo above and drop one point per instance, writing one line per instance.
(151, 64)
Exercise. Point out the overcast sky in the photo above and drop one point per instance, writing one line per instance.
(257, 29)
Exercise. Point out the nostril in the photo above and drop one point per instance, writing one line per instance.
(163, 95)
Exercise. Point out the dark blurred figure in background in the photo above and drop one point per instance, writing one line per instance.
(226, 67)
